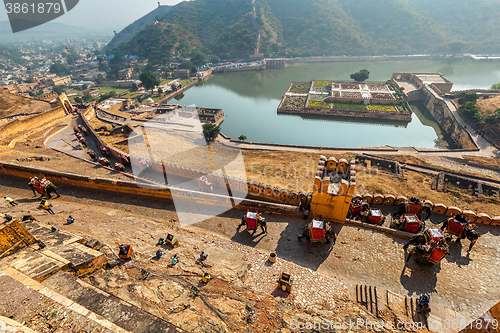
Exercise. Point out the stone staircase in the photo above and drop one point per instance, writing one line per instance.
(377, 301)
(44, 290)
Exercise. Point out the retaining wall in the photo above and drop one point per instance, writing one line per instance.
(27, 124)
(443, 115)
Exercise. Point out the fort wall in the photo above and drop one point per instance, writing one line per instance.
(30, 123)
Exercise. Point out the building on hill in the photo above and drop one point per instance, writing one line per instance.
(59, 81)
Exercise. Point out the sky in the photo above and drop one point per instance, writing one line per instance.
(105, 14)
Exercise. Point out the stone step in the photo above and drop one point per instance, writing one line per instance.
(114, 309)
(440, 319)
(62, 251)
(36, 305)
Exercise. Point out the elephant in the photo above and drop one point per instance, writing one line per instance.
(412, 207)
(422, 238)
(119, 167)
(92, 155)
(466, 232)
(104, 161)
(260, 222)
(42, 186)
(205, 185)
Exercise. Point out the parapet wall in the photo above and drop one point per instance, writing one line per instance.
(30, 123)
(443, 115)
(148, 190)
(255, 189)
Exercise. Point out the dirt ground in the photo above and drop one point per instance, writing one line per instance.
(243, 280)
(12, 104)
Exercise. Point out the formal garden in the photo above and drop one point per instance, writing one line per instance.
(299, 87)
(294, 102)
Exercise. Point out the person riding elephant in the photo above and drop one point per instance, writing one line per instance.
(92, 154)
(83, 142)
(260, 222)
(423, 237)
(412, 206)
(104, 151)
(467, 231)
(104, 161)
(124, 160)
(119, 167)
(43, 187)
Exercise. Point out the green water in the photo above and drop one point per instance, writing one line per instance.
(250, 99)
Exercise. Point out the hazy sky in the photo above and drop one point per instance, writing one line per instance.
(106, 14)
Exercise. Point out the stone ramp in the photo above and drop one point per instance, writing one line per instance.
(41, 309)
(378, 300)
(114, 309)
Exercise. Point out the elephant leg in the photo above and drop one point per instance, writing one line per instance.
(472, 242)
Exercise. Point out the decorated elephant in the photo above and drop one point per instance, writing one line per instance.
(119, 167)
(43, 186)
(104, 161)
(412, 206)
(124, 160)
(252, 220)
(92, 154)
(205, 185)
(461, 227)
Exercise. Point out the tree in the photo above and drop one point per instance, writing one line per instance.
(78, 100)
(466, 96)
(186, 64)
(32, 94)
(198, 58)
(215, 60)
(456, 47)
(211, 131)
(40, 92)
(360, 76)
(59, 69)
(194, 69)
(242, 137)
(87, 98)
(113, 71)
(149, 80)
(495, 86)
(58, 89)
(84, 87)
(160, 91)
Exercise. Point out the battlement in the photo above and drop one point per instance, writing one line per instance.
(334, 186)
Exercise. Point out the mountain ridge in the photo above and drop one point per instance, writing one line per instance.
(326, 27)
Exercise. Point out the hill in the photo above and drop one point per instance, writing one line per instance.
(132, 29)
(228, 28)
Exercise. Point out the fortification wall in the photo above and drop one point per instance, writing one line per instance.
(30, 123)
(255, 189)
(147, 190)
(443, 115)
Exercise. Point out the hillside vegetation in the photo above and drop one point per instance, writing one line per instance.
(328, 27)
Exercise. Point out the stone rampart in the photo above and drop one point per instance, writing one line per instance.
(441, 112)
(30, 123)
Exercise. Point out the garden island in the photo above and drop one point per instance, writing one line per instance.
(347, 99)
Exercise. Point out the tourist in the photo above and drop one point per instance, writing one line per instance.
(45, 205)
(10, 201)
(70, 219)
(175, 260)
(203, 256)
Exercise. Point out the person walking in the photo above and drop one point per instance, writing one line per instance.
(47, 206)
(10, 201)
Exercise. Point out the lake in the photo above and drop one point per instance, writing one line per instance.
(249, 101)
